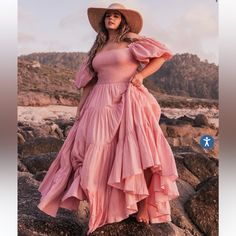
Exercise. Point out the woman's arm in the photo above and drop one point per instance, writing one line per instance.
(150, 68)
(85, 92)
(153, 66)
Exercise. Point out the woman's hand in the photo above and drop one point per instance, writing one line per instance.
(137, 80)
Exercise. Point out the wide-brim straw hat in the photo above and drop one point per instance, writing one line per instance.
(133, 18)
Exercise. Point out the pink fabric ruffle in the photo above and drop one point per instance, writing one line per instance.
(83, 75)
(141, 145)
(147, 48)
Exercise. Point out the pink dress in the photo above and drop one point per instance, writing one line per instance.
(116, 137)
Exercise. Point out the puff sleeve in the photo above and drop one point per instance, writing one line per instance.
(146, 48)
(83, 76)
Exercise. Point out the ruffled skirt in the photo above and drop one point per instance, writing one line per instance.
(104, 155)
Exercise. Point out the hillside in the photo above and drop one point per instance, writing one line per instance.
(186, 75)
(48, 78)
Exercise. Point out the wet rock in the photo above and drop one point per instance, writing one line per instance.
(203, 207)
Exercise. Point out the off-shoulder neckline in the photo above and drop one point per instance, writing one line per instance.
(128, 46)
(114, 49)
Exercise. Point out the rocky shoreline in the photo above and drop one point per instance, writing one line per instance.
(195, 212)
(39, 114)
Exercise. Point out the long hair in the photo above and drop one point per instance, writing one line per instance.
(102, 38)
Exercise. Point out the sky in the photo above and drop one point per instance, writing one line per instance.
(185, 26)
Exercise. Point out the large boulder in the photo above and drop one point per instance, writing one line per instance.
(31, 221)
(202, 207)
(130, 227)
(184, 173)
(178, 214)
(201, 165)
(127, 227)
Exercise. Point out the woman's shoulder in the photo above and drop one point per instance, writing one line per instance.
(132, 37)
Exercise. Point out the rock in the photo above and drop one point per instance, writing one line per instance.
(40, 175)
(21, 167)
(181, 219)
(200, 165)
(203, 207)
(55, 129)
(172, 132)
(20, 138)
(183, 120)
(36, 64)
(168, 229)
(178, 214)
(187, 135)
(163, 128)
(186, 119)
(126, 227)
(184, 173)
(40, 145)
(43, 130)
(182, 149)
(32, 221)
(176, 142)
(62, 123)
(185, 189)
(35, 130)
(35, 163)
(67, 130)
(201, 120)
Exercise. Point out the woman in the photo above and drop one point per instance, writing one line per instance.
(115, 156)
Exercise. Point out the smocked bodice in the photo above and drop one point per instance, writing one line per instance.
(118, 64)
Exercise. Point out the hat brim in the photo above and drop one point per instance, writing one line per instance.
(133, 18)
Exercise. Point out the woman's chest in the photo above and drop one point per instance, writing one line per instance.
(118, 57)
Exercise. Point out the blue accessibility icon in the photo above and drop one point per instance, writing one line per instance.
(207, 141)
